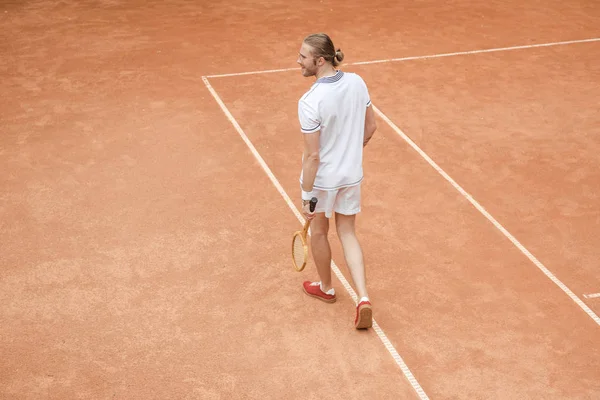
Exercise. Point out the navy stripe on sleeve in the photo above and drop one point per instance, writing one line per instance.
(310, 130)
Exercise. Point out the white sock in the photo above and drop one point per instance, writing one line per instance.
(363, 299)
(330, 292)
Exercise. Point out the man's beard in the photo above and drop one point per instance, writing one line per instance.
(309, 72)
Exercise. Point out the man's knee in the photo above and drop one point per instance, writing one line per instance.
(318, 236)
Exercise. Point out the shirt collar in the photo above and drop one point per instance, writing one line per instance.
(331, 79)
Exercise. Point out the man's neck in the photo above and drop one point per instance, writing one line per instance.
(325, 72)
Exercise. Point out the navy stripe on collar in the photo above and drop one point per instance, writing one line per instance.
(331, 79)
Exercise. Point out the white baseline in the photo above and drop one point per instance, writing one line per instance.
(460, 53)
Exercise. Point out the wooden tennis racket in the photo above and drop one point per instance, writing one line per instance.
(299, 243)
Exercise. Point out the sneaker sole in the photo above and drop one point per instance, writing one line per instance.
(365, 317)
(319, 297)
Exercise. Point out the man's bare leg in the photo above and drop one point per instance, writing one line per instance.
(321, 250)
(345, 226)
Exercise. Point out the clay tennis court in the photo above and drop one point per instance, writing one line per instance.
(150, 155)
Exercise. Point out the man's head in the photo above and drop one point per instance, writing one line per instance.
(316, 53)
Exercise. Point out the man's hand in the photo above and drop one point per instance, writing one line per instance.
(306, 210)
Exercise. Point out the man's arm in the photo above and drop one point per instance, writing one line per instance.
(370, 125)
(310, 163)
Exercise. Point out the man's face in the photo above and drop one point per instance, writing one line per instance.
(308, 64)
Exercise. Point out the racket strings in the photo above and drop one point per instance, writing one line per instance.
(298, 251)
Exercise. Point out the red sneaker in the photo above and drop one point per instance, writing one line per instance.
(364, 315)
(313, 289)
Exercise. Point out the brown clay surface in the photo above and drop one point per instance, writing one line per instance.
(145, 253)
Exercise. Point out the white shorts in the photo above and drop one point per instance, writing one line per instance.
(344, 201)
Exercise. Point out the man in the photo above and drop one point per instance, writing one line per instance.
(337, 121)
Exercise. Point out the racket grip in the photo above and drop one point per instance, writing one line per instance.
(313, 204)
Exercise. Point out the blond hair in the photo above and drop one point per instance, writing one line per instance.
(322, 46)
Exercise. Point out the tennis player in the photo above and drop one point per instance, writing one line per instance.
(337, 121)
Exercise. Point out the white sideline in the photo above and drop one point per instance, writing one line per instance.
(386, 342)
(486, 214)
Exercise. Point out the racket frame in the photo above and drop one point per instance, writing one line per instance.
(302, 236)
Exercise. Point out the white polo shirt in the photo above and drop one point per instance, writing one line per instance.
(336, 106)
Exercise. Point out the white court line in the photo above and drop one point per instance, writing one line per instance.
(386, 342)
(460, 53)
(591, 296)
(482, 210)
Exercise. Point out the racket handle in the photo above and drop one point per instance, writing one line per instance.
(313, 204)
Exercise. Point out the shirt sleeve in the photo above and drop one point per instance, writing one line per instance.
(310, 122)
